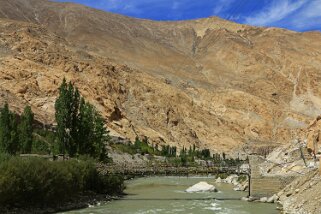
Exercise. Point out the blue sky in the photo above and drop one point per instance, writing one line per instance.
(299, 15)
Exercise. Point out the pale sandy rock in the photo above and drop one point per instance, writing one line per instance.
(237, 188)
(201, 187)
(219, 180)
(245, 199)
(231, 179)
(263, 199)
(272, 199)
(313, 136)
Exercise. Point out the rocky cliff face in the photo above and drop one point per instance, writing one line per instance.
(313, 137)
(208, 82)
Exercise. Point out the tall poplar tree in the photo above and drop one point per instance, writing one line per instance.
(61, 107)
(86, 129)
(5, 128)
(14, 146)
(74, 126)
(101, 136)
(25, 130)
(9, 141)
(80, 127)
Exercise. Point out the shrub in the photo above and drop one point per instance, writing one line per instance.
(40, 147)
(4, 157)
(38, 182)
(222, 175)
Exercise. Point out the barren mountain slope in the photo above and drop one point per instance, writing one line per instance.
(211, 82)
(34, 61)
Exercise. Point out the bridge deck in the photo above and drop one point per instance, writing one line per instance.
(168, 170)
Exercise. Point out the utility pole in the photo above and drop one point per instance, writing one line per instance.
(238, 164)
(249, 175)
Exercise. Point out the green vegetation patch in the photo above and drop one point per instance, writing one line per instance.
(242, 178)
(29, 182)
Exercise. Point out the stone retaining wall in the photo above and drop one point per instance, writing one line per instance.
(268, 186)
(265, 186)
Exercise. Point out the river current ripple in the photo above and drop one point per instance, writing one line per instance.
(166, 195)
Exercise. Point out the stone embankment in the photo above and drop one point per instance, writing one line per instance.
(240, 183)
(288, 176)
(302, 196)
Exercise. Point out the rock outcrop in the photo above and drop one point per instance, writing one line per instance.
(314, 137)
(302, 195)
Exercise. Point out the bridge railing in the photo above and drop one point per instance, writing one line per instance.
(166, 169)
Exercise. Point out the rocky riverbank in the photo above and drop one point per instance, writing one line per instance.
(302, 196)
(292, 161)
(240, 183)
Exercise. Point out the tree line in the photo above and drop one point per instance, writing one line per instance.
(80, 128)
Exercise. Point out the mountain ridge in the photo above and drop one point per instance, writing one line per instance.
(219, 85)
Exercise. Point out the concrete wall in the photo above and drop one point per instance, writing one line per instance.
(265, 186)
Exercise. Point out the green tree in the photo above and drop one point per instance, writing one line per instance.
(183, 152)
(8, 131)
(206, 153)
(5, 128)
(74, 126)
(67, 111)
(61, 115)
(80, 127)
(173, 153)
(164, 151)
(92, 133)
(224, 156)
(190, 151)
(25, 130)
(85, 129)
(14, 146)
(100, 137)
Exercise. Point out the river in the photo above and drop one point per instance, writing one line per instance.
(164, 195)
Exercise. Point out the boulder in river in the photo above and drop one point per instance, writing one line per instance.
(219, 180)
(202, 187)
(263, 199)
(232, 179)
(273, 199)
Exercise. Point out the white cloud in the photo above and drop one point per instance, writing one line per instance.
(276, 11)
(298, 15)
(309, 17)
(221, 6)
(312, 10)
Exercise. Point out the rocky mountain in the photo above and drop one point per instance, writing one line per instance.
(209, 82)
